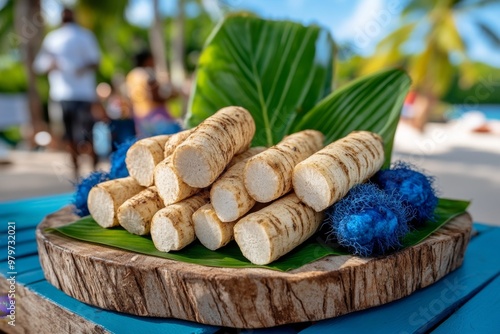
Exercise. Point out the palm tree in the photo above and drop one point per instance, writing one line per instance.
(434, 24)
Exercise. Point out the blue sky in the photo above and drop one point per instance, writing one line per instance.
(362, 23)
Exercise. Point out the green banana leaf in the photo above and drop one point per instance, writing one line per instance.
(86, 229)
(371, 103)
(446, 210)
(276, 69)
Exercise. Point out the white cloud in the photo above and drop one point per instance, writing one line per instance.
(370, 21)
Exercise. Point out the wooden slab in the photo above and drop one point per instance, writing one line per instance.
(244, 298)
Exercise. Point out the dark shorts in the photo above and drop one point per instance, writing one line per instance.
(78, 121)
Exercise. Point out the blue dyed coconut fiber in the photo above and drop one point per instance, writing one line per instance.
(367, 221)
(414, 188)
(118, 167)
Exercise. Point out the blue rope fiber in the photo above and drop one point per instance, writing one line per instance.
(118, 166)
(415, 190)
(367, 221)
(82, 190)
(118, 169)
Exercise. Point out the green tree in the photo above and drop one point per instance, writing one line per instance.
(25, 34)
(182, 37)
(432, 69)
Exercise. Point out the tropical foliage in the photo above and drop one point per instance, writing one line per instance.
(282, 73)
(119, 40)
(434, 25)
(277, 70)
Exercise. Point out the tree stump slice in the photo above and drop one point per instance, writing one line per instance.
(143, 285)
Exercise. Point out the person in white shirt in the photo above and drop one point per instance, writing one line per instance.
(70, 55)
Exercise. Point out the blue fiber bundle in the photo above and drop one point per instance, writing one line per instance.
(414, 189)
(367, 221)
(82, 190)
(118, 166)
(118, 169)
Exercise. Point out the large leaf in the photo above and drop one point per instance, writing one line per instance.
(230, 256)
(370, 103)
(276, 69)
(445, 210)
(86, 229)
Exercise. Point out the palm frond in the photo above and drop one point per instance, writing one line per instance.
(491, 35)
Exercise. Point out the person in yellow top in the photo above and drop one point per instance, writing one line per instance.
(148, 99)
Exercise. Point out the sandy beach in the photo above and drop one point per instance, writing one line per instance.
(466, 166)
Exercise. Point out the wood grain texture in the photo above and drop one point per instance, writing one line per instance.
(36, 314)
(244, 298)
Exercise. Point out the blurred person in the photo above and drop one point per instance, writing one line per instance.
(70, 55)
(119, 113)
(148, 99)
(416, 109)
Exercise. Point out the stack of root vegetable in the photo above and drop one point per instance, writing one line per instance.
(207, 183)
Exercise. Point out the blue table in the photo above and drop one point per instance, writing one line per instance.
(465, 301)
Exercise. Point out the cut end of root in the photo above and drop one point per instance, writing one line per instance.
(193, 166)
(311, 187)
(253, 241)
(132, 221)
(165, 236)
(225, 204)
(141, 165)
(167, 183)
(261, 181)
(207, 230)
(101, 207)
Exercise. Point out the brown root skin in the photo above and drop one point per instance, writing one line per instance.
(175, 140)
(143, 156)
(172, 227)
(327, 176)
(228, 194)
(105, 198)
(204, 155)
(170, 186)
(268, 234)
(268, 175)
(245, 155)
(136, 213)
(210, 230)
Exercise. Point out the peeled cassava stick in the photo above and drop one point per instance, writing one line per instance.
(328, 175)
(245, 155)
(228, 194)
(136, 213)
(270, 233)
(143, 156)
(105, 198)
(210, 230)
(204, 155)
(172, 227)
(175, 140)
(170, 186)
(268, 175)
